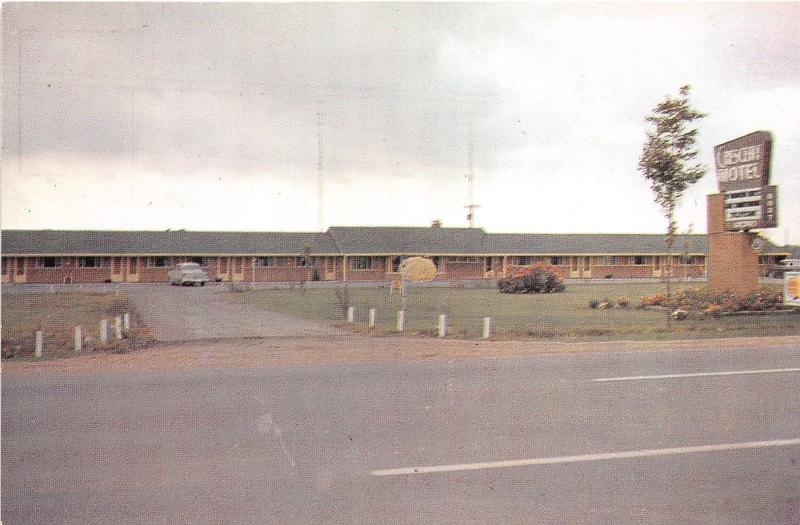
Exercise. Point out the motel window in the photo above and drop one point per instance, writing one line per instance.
(5, 265)
(89, 262)
(764, 259)
(521, 260)
(49, 262)
(438, 262)
(489, 264)
(361, 263)
(697, 259)
(159, 262)
(21, 266)
(263, 262)
(607, 260)
(556, 261)
(640, 260)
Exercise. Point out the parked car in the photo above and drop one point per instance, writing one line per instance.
(188, 274)
(786, 265)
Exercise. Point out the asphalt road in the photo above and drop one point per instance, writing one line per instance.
(302, 444)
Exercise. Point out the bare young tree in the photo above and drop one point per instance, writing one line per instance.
(667, 159)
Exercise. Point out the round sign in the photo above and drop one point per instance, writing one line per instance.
(758, 245)
(418, 269)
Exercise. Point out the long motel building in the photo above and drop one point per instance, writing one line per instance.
(357, 253)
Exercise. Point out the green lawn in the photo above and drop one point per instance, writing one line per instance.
(56, 314)
(560, 316)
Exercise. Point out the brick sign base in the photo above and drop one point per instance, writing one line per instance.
(732, 263)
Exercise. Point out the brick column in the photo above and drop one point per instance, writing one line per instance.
(732, 265)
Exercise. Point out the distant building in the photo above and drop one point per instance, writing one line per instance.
(342, 254)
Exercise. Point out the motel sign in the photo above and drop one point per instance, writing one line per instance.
(743, 169)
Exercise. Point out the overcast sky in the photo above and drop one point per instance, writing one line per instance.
(205, 116)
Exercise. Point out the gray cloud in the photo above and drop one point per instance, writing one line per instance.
(554, 91)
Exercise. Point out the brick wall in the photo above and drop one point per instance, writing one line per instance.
(732, 264)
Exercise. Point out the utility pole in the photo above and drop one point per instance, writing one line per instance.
(320, 166)
(19, 102)
(470, 179)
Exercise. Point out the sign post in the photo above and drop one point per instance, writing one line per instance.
(415, 269)
(745, 202)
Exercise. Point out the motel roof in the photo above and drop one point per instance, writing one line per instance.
(177, 242)
(338, 240)
(366, 240)
(593, 243)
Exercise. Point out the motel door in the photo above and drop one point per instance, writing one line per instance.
(330, 269)
(17, 269)
(237, 269)
(657, 266)
(574, 267)
(224, 268)
(117, 269)
(133, 270)
(587, 267)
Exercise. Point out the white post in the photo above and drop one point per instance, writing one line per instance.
(126, 322)
(78, 339)
(104, 331)
(401, 320)
(487, 327)
(351, 312)
(118, 327)
(442, 325)
(372, 318)
(39, 343)
(403, 296)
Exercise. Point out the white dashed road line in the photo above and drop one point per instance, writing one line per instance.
(696, 374)
(631, 454)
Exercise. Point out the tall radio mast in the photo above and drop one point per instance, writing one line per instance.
(470, 179)
(320, 167)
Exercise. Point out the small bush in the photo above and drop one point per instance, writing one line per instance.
(594, 303)
(716, 303)
(623, 302)
(541, 278)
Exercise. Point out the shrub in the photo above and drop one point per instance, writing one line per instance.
(541, 278)
(623, 302)
(593, 304)
(715, 303)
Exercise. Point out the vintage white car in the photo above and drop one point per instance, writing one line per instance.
(786, 265)
(187, 274)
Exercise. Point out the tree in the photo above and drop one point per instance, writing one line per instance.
(667, 156)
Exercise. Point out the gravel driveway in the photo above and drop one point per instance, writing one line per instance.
(175, 313)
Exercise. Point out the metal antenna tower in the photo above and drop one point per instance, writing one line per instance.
(320, 166)
(470, 179)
